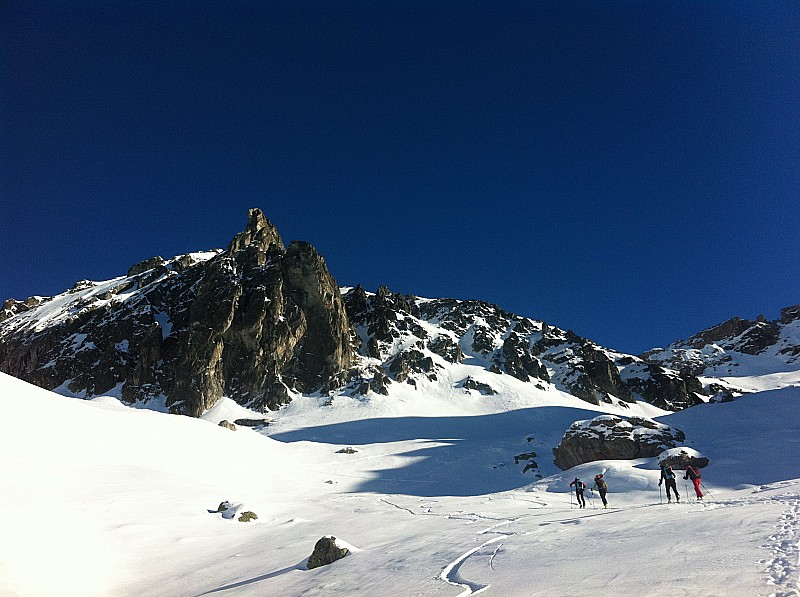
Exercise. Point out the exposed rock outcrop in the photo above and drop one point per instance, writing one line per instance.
(414, 338)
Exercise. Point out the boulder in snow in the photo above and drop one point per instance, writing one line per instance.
(247, 516)
(610, 437)
(326, 551)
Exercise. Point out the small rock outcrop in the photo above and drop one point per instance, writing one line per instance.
(609, 437)
(484, 388)
(326, 551)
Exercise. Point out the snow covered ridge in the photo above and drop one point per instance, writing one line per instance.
(264, 324)
(412, 340)
(738, 347)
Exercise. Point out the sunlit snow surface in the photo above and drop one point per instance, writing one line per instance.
(106, 500)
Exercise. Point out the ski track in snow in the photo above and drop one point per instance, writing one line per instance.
(784, 545)
(451, 574)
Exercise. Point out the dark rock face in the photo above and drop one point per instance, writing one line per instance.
(326, 552)
(613, 438)
(251, 322)
(665, 389)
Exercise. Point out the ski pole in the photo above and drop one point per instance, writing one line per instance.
(706, 489)
(660, 499)
(686, 490)
(570, 500)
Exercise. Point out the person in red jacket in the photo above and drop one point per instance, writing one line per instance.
(693, 473)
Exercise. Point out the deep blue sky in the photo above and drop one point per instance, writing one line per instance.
(629, 170)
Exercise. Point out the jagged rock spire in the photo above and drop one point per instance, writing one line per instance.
(259, 232)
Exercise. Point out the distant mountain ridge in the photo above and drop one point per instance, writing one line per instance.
(261, 323)
(737, 345)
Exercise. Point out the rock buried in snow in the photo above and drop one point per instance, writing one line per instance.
(252, 422)
(247, 516)
(326, 551)
(680, 458)
(227, 425)
(347, 450)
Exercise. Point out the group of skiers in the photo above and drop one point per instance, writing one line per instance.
(667, 477)
(599, 484)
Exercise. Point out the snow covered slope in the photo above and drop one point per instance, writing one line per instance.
(104, 500)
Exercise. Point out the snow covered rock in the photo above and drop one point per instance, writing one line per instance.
(681, 457)
(609, 437)
(326, 551)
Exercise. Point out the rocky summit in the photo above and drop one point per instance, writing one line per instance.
(261, 323)
(252, 322)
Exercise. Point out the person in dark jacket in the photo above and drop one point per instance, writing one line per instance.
(693, 473)
(668, 477)
(579, 487)
(602, 487)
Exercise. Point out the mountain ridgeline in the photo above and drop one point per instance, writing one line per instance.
(259, 323)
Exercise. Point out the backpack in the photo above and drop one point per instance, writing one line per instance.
(693, 472)
(669, 473)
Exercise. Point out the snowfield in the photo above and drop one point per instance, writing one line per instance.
(106, 500)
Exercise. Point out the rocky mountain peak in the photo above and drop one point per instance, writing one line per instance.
(259, 233)
(252, 322)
